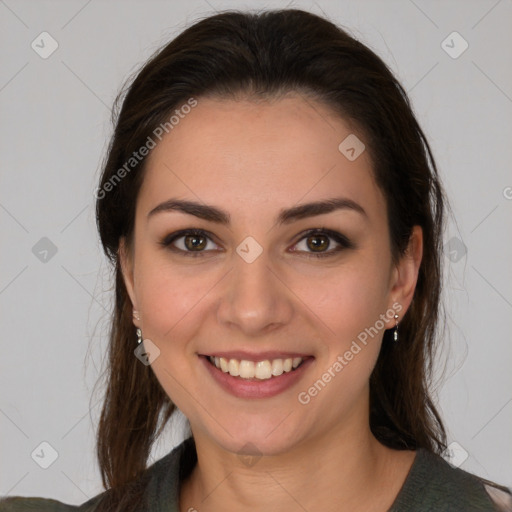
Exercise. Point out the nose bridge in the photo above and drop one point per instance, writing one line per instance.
(254, 298)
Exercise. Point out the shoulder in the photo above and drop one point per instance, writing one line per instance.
(160, 482)
(22, 504)
(434, 484)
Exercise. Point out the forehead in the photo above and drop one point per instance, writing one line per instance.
(258, 156)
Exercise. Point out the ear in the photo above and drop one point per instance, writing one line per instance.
(405, 273)
(126, 263)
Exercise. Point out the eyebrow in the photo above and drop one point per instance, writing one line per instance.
(285, 216)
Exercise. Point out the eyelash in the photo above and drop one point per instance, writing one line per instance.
(344, 242)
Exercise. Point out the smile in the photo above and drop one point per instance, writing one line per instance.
(262, 370)
(259, 378)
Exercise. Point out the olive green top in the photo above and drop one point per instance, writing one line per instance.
(432, 485)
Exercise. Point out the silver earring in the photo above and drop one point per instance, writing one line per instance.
(136, 315)
(395, 333)
(139, 336)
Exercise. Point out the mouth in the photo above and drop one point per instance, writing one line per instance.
(256, 378)
(256, 370)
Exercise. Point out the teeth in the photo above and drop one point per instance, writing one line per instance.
(224, 366)
(233, 367)
(277, 367)
(246, 369)
(262, 370)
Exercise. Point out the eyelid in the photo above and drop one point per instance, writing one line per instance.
(339, 238)
(342, 241)
(168, 240)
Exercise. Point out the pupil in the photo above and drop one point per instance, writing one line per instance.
(323, 244)
(194, 244)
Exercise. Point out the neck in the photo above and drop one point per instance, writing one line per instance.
(347, 471)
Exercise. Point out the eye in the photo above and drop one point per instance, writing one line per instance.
(189, 242)
(195, 242)
(318, 240)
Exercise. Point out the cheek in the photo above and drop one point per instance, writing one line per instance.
(350, 303)
(350, 300)
(173, 306)
(169, 300)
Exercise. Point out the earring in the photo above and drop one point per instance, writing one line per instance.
(136, 315)
(395, 333)
(139, 336)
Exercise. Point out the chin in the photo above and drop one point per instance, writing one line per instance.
(256, 438)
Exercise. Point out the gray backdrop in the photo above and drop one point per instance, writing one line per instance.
(454, 58)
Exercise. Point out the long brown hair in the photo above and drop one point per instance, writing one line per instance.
(263, 55)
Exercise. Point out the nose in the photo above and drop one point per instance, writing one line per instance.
(255, 299)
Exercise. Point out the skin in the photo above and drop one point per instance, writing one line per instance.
(253, 159)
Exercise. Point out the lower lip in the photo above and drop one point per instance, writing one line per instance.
(256, 388)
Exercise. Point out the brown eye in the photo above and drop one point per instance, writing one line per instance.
(318, 243)
(195, 242)
(315, 243)
(189, 242)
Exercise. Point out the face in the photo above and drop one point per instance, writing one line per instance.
(261, 280)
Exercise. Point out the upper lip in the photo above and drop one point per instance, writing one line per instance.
(260, 356)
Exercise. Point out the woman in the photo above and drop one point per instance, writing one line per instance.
(273, 214)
